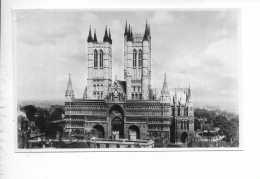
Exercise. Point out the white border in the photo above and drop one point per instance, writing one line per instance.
(214, 164)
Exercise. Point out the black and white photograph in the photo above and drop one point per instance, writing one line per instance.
(127, 79)
(129, 89)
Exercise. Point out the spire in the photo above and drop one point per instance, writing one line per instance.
(85, 93)
(126, 32)
(149, 33)
(69, 86)
(130, 35)
(95, 36)
(165, 85)
(146, 32)
(109, 37)
(89, 35)
(105, 39)
(189, 92)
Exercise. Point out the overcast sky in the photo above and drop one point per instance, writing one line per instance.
(196, 47)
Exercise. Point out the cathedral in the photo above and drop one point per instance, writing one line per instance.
(130, 106)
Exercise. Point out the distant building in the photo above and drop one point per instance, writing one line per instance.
(129, 105)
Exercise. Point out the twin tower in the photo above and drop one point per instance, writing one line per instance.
(137, 64)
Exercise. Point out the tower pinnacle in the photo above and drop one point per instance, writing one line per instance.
(109, 37)
(106, 39)
(146, 32)
(126, 33)
(69, 93)
(165, 85)
(90, 35)
(95, 36)
(69, 86)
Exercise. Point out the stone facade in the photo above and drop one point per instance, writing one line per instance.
(128, 107)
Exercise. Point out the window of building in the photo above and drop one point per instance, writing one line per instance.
(95, 59)
(140, 58)
(101, 59)
(134, 58)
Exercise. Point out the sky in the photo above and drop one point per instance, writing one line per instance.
(200, 48)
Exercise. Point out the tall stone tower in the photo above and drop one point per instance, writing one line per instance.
(137, 63)
(69, 93)
(99, 62)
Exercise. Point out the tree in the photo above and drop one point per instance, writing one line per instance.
(54, 122)
(57, 114)
(204, 113)
(41, 120)
(197, 124)
(30, 112)
(227, 127)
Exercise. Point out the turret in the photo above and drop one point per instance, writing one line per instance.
(106, 38)
(130, 34)
(95, 37)
(146, 32)
(85, 95)
(165, 95)
(90, 39)
(109, 37)
(69, 93)
(126, 32)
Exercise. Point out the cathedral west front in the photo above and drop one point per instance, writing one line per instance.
(130, 107)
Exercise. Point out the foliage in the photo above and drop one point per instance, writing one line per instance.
(42, 115)
(48, 123)
(30, 111)
(229, 128)
(197, 124)
(205, 114)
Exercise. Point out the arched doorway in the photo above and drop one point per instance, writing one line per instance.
(99, 131)
(136, 129)
(118, 125)
(184, 137)
(116, 114)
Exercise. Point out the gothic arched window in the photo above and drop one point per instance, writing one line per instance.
(134, 58)
(95, 59)
(101, 58)
(140, 58)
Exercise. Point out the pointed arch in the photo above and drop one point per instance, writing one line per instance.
(134, 58)
(95, 58)
(140, 58)
(100, 58)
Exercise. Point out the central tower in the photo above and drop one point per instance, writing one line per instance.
(137, 63)
(99, 62)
